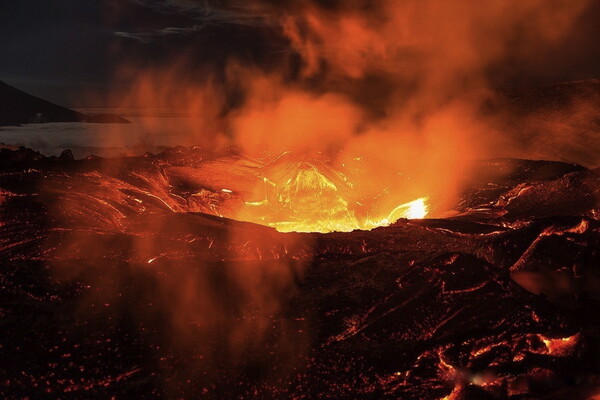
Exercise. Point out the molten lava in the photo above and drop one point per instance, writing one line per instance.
(310, 196)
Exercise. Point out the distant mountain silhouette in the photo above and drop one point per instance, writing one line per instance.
(106, 119)
(18, 107)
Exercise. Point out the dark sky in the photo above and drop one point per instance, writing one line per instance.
(53, 48)
(57, 49)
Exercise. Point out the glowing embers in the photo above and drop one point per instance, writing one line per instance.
(309, 196)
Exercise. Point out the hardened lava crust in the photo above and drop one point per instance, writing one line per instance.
(119, 278)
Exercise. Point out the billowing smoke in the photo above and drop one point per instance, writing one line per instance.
(403, 85)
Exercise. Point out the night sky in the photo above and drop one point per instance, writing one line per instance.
(61, 48)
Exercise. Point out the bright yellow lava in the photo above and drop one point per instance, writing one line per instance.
(306, 198)
(416, 209)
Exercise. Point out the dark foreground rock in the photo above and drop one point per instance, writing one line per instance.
(115, 281)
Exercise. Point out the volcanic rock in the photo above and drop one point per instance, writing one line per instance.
(66, 154)
(120, 279)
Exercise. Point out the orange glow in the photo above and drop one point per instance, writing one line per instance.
(416, 209)
(375, 117)
(560, 346)
(364, 156)
(311, 145)
(303, 195)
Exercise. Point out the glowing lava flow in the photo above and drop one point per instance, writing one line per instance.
(416, 209)
(311, 197)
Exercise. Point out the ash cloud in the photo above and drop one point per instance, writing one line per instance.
(530, 59)
(399, 64)
(513, 44)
